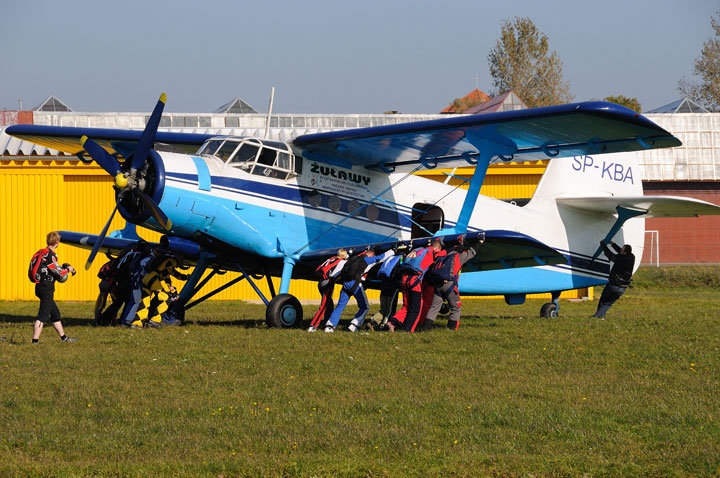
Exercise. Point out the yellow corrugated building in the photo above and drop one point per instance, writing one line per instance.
(42, 194)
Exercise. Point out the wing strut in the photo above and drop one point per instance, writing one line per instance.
(623, 215)
(489, 144)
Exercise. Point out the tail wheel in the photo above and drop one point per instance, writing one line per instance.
(549, 310)
(284, 311)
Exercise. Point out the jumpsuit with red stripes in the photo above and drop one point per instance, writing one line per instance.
(412, 290)
(326, 287)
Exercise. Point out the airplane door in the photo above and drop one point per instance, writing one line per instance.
(203, 214)
(427, 220)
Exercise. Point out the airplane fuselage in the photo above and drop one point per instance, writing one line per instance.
(326, 206)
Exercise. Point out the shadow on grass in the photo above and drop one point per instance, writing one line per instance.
(245, 323)
(30, 319)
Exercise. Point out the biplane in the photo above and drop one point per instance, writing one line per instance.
(268, 208)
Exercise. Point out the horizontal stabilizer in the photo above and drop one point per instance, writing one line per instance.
(656, 206)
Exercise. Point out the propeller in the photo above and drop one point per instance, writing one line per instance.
(125, 182)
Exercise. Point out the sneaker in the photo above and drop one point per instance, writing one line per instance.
(154, 324)
(68, 339)
(171, 322)
(312, 329)
(137, 324)
(352, 328)
(329, 329)
(390, 327)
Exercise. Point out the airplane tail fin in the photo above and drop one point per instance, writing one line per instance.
(615, 174)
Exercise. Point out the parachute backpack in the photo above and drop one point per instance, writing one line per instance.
(354, 268)
(387, 268)
(323, 270)
(36, 265)
(413, 261)
(442, 270)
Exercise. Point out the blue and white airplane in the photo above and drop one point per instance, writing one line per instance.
(268, 208)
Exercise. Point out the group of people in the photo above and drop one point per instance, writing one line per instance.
(426, 276)
(139, 280)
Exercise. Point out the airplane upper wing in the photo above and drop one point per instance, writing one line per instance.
(67, 139)
(656, 206)
(522, 135)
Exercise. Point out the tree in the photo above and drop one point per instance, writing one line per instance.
(521, 62)
(707, 67)
(621, 100)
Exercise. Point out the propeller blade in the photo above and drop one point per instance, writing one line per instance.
(101, 238)
(148, 136)
(100, 156)
(155, 210)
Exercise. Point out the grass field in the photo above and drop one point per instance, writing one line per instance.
(509, 394)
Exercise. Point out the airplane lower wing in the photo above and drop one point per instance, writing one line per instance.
(508, 249)
(655, 206)
(500, 250)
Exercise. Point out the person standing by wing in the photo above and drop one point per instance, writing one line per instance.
(443, 276)
(620, 276)
(44, 271)
(327, 273)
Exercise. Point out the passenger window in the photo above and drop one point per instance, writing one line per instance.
(372, 212)
(314, 198)
(334, 203)
(226, 150)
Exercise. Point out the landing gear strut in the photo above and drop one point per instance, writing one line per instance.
(551, 309)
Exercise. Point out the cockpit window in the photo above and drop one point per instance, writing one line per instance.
(267, 156)
(210, 147)
(246, 153)
(272, 159)
(226, 150)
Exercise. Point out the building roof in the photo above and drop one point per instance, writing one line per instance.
(238, 105)
(474, 97)
(52, 104)
(683, 105)
(507, 102)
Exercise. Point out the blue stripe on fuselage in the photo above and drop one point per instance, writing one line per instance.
(291, 194)
(256, 228)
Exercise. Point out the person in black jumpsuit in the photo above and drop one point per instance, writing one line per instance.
(44, 273)
(620, 276)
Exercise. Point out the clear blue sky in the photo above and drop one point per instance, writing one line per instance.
(329, 56)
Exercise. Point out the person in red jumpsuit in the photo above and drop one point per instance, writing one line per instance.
(411, 285)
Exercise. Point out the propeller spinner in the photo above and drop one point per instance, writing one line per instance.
(126, 181)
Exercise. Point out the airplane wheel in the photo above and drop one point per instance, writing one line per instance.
(284, 311)
(549, 310)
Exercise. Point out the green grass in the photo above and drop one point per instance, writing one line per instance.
(509, 394)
